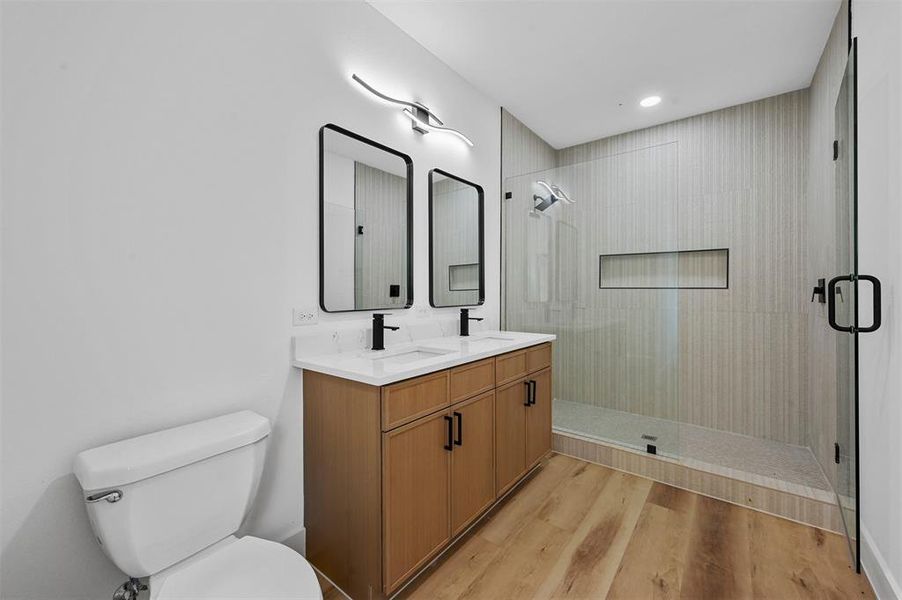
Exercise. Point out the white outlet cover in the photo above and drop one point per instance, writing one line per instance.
(304, 316)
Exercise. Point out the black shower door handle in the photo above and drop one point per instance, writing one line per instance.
(877, 304)
(831, 304)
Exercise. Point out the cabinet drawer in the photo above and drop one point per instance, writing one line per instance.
(510, 366)
(405, 401)
(471, 379)
(538, 357)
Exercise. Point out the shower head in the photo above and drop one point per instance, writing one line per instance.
(555, 194)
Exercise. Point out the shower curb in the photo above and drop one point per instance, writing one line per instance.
(787, 505)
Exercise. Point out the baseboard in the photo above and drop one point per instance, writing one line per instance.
(297, 541)
(875, 567)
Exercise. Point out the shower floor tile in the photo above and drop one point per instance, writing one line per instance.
(764, 462)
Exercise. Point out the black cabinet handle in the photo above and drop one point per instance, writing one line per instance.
(532, 385)
(450, 445)
(831, 304)
(528, 394)
(460, 429)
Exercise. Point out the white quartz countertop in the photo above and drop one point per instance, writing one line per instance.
(411, 359)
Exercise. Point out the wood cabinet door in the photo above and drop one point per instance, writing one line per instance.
(473, 460)
(416, 495)
(510, 434)
(538, 418)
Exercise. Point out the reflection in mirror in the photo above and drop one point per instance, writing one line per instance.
(366, 242)
(456, 248)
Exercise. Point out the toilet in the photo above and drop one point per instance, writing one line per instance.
(166, 506)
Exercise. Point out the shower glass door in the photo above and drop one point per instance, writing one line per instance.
(589, 256)
(843, 301)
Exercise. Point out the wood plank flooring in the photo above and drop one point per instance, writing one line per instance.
(581, 530)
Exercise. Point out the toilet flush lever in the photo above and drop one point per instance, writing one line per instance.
(110, 496)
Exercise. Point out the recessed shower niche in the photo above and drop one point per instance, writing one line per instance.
(684, 269)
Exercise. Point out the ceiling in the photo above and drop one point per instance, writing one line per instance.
(575, 71)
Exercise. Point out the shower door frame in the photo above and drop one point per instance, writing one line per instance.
(849, 201)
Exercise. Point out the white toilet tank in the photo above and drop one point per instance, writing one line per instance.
(167, 495)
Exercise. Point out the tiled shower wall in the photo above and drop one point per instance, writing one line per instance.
(738, 356)
(522, 151)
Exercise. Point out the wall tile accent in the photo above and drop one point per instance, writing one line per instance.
(522, 150)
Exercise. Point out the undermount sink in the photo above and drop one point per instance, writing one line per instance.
(406, 357)
(490, 338)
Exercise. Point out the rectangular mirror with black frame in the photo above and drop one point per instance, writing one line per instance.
(365, 223)
(456, 241)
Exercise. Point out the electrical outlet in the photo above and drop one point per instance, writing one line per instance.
(304, 316)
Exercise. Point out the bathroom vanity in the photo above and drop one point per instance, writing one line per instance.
(404, 449)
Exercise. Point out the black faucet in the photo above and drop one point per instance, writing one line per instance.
(465, 319)
(379, 328)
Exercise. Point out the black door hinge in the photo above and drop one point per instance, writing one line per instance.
(836, 452)
(835, 149)
(508, 195)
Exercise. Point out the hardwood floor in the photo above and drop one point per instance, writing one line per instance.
(581, 530)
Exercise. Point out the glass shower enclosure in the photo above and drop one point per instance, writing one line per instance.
(572, 231)
(660, 348)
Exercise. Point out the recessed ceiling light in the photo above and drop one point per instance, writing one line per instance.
(650, 101)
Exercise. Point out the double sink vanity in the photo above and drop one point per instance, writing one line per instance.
(405, 448)
(407, 445)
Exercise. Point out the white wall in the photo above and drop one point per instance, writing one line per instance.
(878, 25)
(160, 222)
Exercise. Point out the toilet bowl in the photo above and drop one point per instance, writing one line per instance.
(166, 506)
(246, 568)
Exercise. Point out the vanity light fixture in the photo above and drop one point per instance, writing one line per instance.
(423, 126)
(650, 101)
(422, 120)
